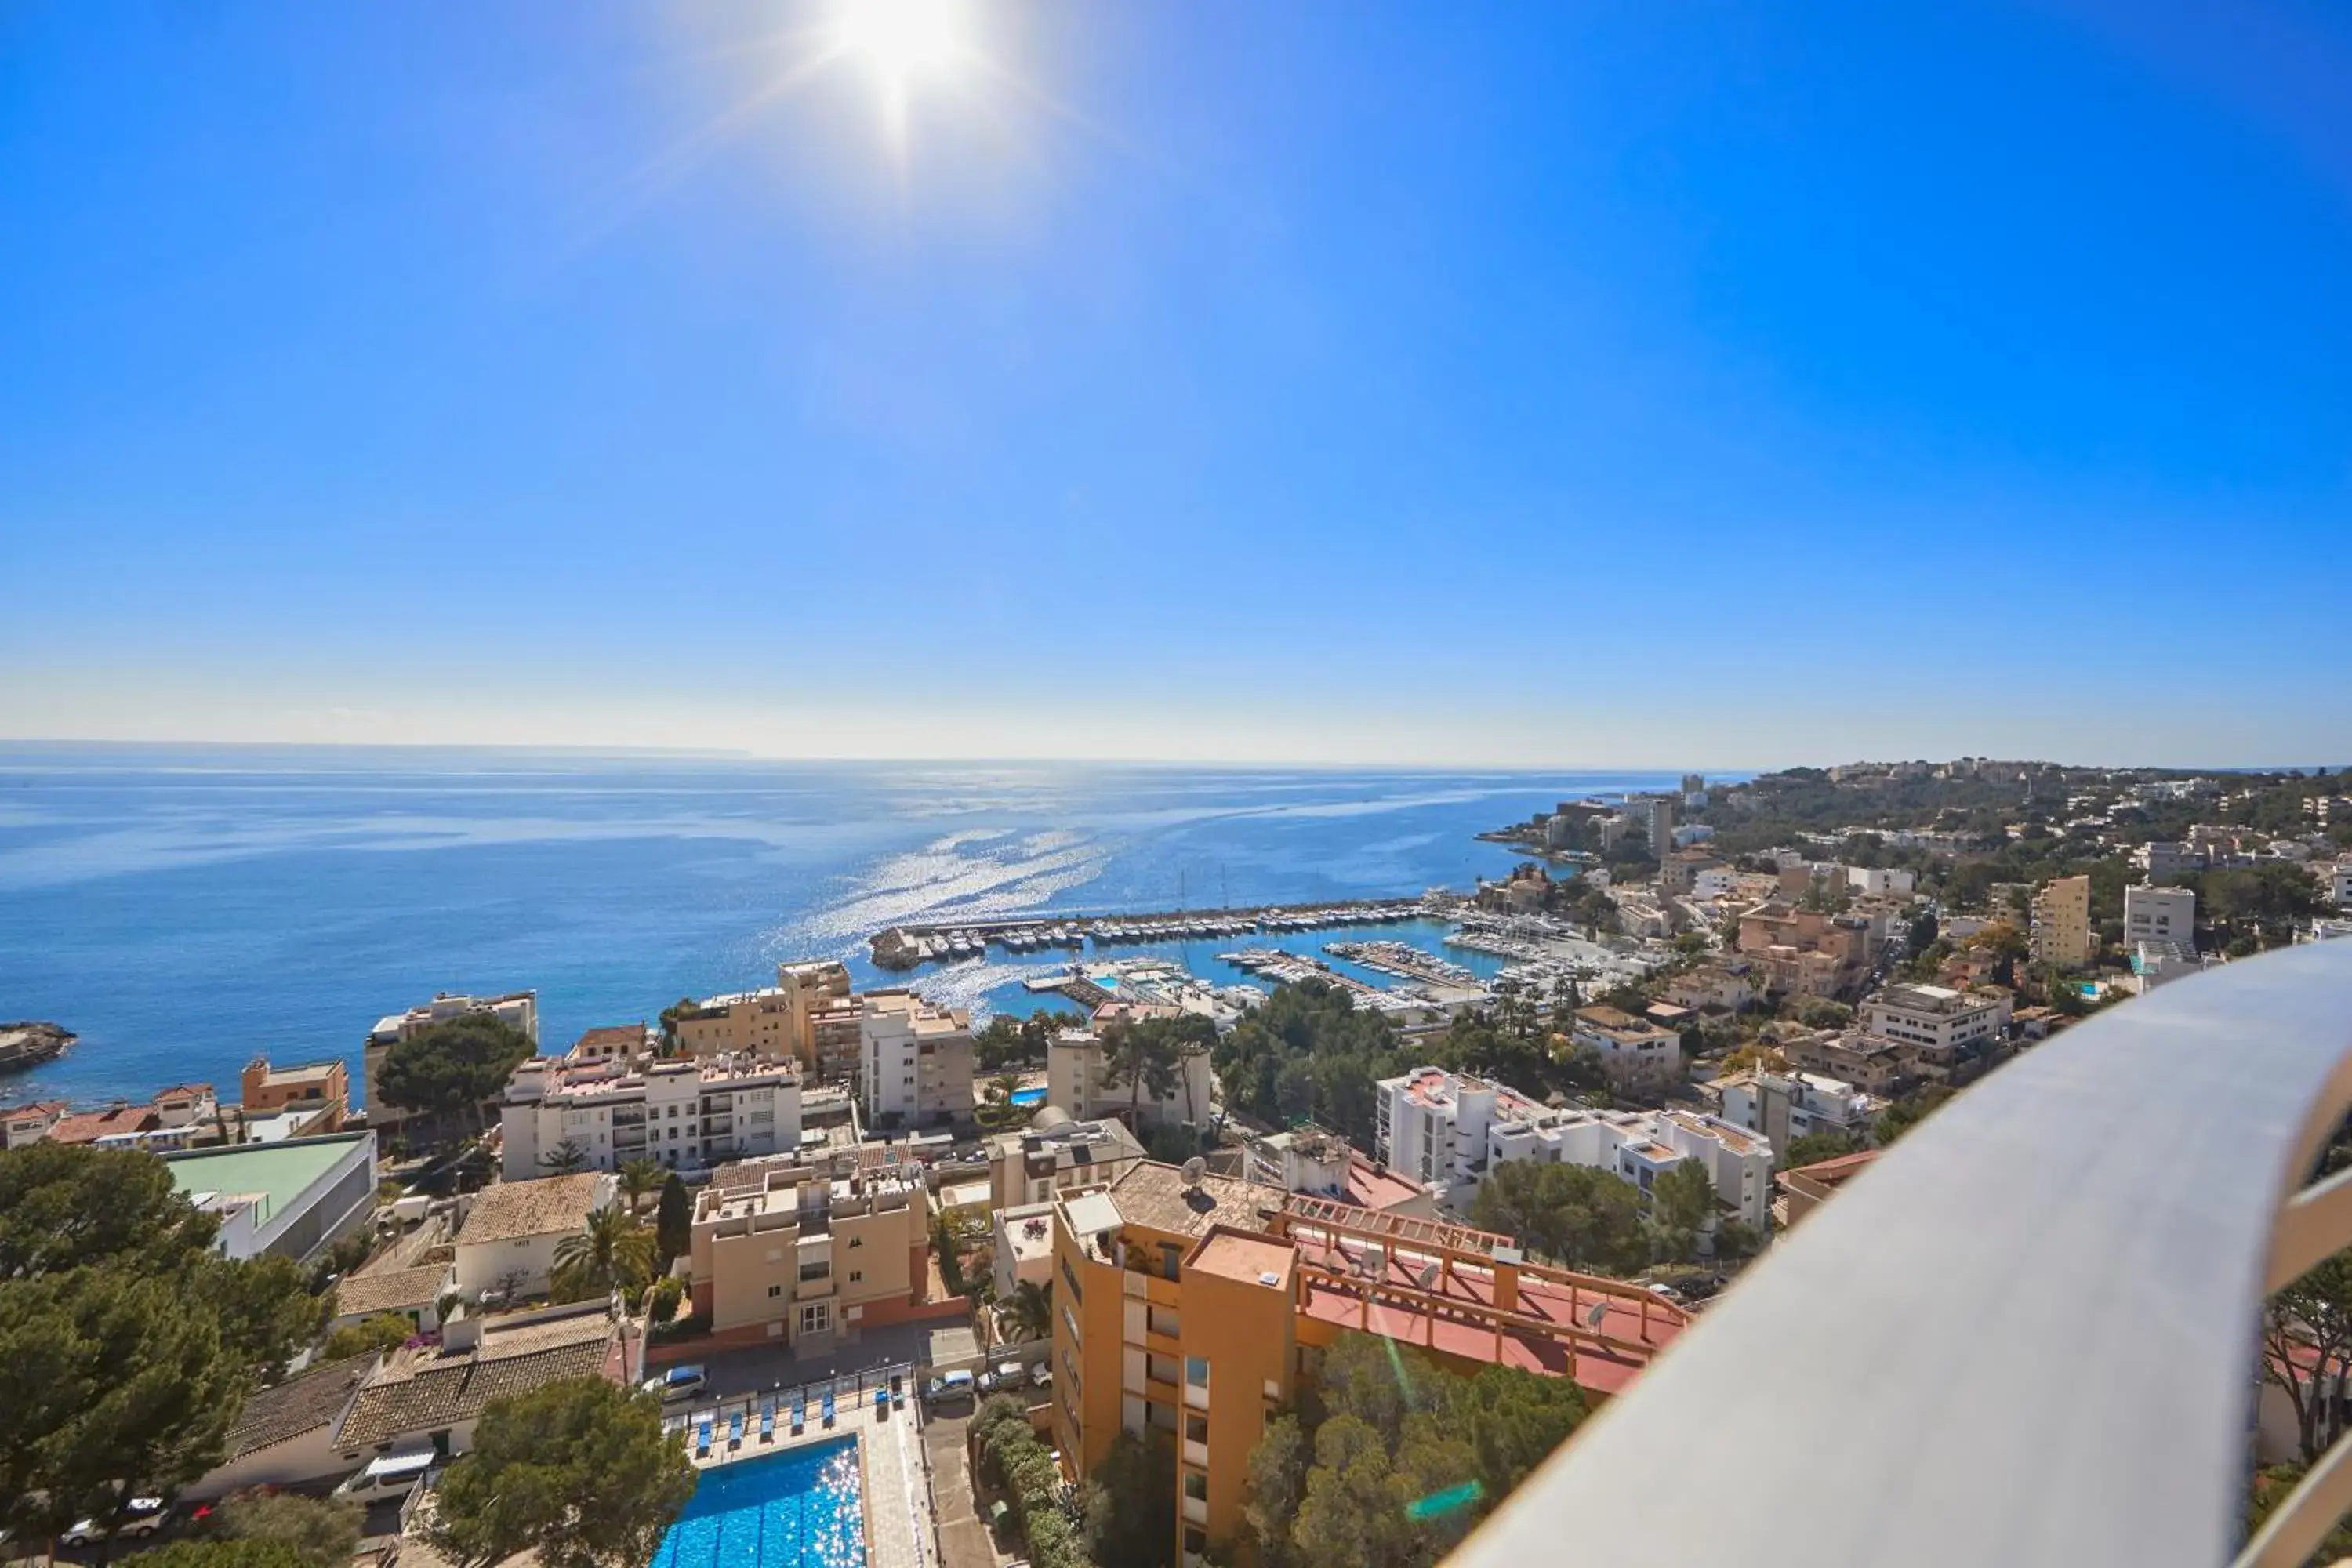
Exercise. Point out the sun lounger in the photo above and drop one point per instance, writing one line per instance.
(702, 1440)
(735, 1430)
(881, 1404)
(767, 1421)
(828, 1409)
(800, 1414)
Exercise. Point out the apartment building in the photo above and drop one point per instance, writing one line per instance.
(1870, 1063)
(1659, 821)
(917, 1061)
(1632, 1050)
(1784, 1107)
(2165, 861)
(2061, 935)
(737, 1023)
(517, 1009)
(684, 1114)
(2340, 883)
(1079, 1080)
(2166, 915)
(22, 1125)
(1728, 986)
(320, 1092)
(810, 1016)
(810, 1252)
(1942, 1022)
(1053, 1155)
(1679, 872)
(1802, 952)
(1448, 1131)
(1200, 1308)
(1885, 881)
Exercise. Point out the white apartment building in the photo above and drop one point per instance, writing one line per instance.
(2160, 915)
(517, 1008)
(1054, 1154)
(2340, 882)
(1078, 1080)
(1630, 1050)
(1881, 879)
(2166, 861)
(916, 1060)
(1448, 1131)
(1935, 1018)
(687, 1115)
(1784, 1107)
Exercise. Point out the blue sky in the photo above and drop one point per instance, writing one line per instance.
(1612, 384)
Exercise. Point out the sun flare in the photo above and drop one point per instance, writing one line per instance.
(903, 40)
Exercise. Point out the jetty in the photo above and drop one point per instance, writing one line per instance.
(949, 942)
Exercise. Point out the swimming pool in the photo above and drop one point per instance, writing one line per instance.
(1029, 1095)
(799, 1509)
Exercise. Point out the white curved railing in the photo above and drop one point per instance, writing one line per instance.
(2027, 1334)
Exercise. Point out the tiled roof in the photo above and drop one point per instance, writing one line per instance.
(541, 1207)
(392, 1290)
(89, 1126)
(298, 1406)
(428, 1389)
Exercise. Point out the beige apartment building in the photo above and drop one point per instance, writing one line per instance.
(2062, 923)
(809, 1015)
(1804, 952)
(812, 1251)
(1078, 1078)
(917, 1061)
(1054, 1154)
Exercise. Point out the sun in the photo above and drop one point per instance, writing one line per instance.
(903, 40)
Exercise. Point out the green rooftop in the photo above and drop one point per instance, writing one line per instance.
(282, 1171)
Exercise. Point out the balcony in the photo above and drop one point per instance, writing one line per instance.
(2026, 1334)
(1196, 1453)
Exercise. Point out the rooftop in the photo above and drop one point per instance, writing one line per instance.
(277, 1172)
(1155, 1196)
(89, 1126)
(430, 1388)
(295, 1073)
(1244, 1259)
(297, 1405)
(1029, 1231)
(392, 1290)
(546, 1206)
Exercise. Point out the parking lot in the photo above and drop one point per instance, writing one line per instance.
(760, 1367)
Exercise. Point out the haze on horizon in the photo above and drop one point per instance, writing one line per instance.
(1582, 387)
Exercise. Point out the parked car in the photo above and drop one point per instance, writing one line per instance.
(678, 1382)
(147, 1517)
(387, 1476)
(948, 1389)
(1040, 1375)
(1003, 1378)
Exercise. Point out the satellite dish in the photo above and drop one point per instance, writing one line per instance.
(1428, 1275)
(1593, 1319)
(1194, 1169)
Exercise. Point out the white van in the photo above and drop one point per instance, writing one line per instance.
(388, 1476)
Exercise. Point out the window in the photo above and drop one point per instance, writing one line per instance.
(857, 1277)
(1171, 1259)
(1195, 1540)
(816, 1317)
(774, 1291)
(814, 1271)
(1196, 1486)
(856, 1242)
(1196, 1370)
(1196, 1428)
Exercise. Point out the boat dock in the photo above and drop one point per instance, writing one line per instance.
(909, 946)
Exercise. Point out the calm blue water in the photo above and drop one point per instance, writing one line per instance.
(185, 909)
(1029, 1095)
(795, 1510)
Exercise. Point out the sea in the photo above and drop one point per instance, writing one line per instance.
(184, 910)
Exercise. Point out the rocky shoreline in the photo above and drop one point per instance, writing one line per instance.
(29, 1044)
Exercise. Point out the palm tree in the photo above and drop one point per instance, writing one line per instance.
(613, 1252)
(1003, 1087)
(565, 1159)
(639, 1177)
(1029, 1311)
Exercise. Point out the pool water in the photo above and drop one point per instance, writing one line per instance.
(1029, 1095)
(796, 1510)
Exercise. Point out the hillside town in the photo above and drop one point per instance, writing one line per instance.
(1060, 1285)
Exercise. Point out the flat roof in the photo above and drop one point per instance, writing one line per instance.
(1245, 1259)
(280, 1171)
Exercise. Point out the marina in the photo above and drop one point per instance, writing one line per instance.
(911, 946)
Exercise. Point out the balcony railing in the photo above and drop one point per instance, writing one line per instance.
(2026, 1334)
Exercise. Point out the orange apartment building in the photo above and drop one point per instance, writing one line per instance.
(1804, 952)
(810, 1016)
(320, 1090)
(1199, 1307)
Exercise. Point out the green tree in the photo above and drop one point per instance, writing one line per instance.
(673, 1221)
(638, 1177)
(1811, 1148)
(451, 1069)
(1275, 1485)
(1353, 1511)
(1585, 1219)
(2307, 1346)
(2271, 1488)
(386, 1330)
(1904, 1114)
(1141, 1057)
(127, 1346)
(323, 1532)
(223, 1554)
(612, 1252)
(1682, 1202)
(1029, 1311)
(1131, 1508)
(578, 1470)
(685, 1006)
(567, 1158)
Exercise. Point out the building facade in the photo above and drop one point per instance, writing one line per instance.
(1632, 1050)
(2061, 935)
(322, 1090)
(1938, 1019)
(2160, 915)
(1079, 1080)
(915, 1061)
(683, 1114)
(812, 1252)
(1054, 1154)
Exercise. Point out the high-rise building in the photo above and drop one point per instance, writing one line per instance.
(917, 1067)
(2160, 915)
(2062, 923)
(1661, 818)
